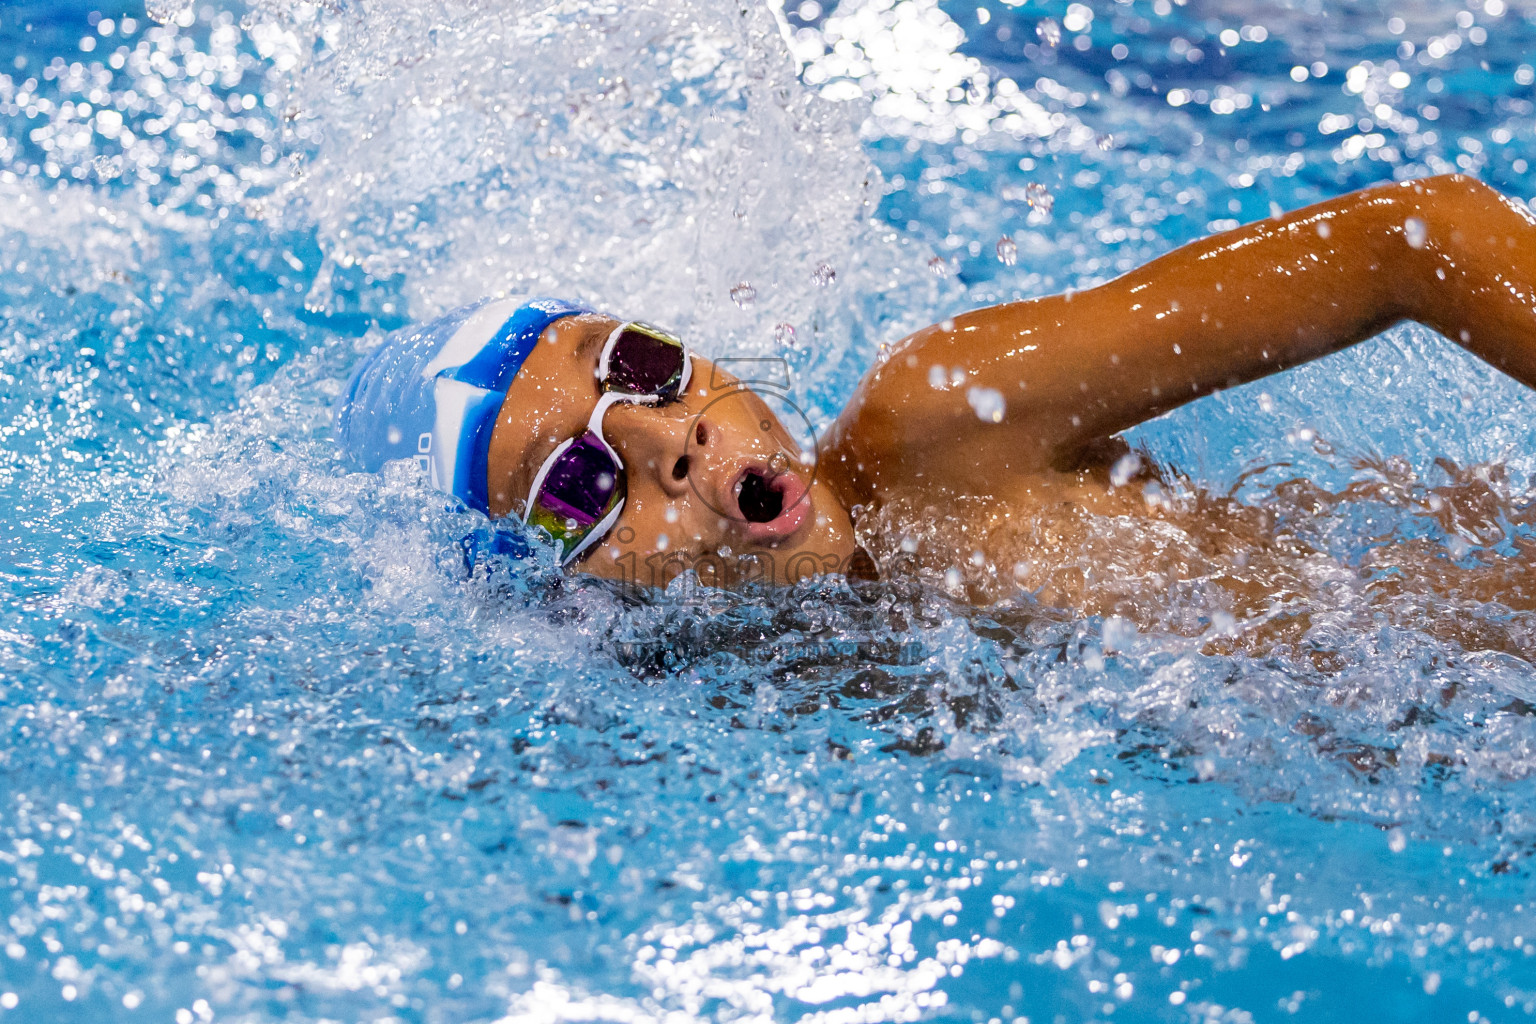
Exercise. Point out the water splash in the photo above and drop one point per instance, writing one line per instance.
(641, 185)
(278, 752)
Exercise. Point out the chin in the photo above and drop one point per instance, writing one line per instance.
(825, 544)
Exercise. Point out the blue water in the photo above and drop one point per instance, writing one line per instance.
(270, 753)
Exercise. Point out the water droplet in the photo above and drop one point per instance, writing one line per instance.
(1104, 141)
(987, 403)
(1119, 634)
(1416, 231)
(823, 275)
(938, 377)
(1049, 31)
(322, 290)
(1007, 251)
(952, 578)
(107, 167)
(1323, 230)
(1039, 197)
(1397, 842)
(784, 334)
(743, 295)
(938, 266)
(1125, 469)
(166, 12)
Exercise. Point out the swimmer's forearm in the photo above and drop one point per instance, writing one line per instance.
(1449, 252)
(1073, 369)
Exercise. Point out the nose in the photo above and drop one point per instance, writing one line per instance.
(653, 441)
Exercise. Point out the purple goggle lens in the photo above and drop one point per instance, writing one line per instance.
(581, 487)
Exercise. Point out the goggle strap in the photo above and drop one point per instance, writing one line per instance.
(598, 532)
(608, 400)
(682, 382)
(607, 354)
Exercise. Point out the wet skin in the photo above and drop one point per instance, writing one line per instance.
(1071, 371)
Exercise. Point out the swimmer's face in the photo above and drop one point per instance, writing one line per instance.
(715, 483)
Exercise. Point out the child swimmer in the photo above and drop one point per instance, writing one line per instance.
(640, 459)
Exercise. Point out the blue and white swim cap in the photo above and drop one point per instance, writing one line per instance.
(432, 392)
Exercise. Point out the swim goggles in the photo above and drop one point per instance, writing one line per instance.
(578, 493)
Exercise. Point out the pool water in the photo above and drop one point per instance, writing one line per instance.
(271, 753)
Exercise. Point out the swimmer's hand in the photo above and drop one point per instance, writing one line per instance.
(1034, 386)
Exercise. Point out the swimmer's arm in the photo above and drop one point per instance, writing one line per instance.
(1073, 370)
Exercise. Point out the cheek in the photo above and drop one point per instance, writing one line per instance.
(603, 562)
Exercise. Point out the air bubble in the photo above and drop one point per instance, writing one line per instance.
(1007, 251)
(784, 334)
(938, 266)
(1104, 141)
(823, 275)
(1048, 31)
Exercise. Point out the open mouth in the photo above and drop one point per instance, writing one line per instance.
(772, 506)
(758, 499)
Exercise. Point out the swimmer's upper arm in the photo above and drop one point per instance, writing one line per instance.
(1030, 386)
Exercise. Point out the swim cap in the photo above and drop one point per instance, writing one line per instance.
(432, 392)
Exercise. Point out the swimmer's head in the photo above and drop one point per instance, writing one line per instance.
(712, 480)
(708, 479)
